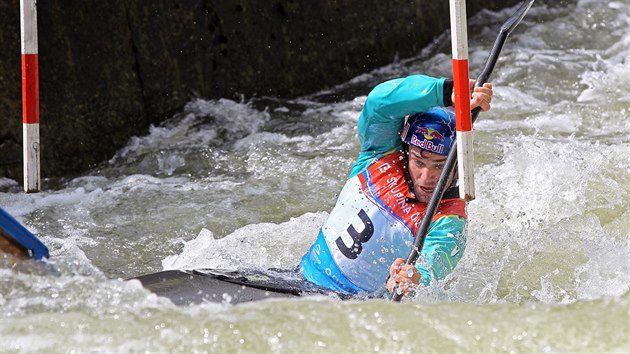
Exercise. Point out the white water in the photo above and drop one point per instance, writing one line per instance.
(228, 184)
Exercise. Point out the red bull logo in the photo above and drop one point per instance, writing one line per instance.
(426, 138)
(427, 144)
(430, 133)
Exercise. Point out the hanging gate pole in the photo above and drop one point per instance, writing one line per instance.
(421, 234)
(459, 41)
(30, 95)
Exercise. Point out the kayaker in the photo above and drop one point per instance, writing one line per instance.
(406, 130)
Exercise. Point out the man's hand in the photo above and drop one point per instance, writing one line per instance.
(405, 275)
(479, 96)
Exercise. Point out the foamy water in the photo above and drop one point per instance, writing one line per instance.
(229, 184)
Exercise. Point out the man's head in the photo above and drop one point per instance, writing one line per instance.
(430, 136)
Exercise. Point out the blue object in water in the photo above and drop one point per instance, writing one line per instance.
(22, 236)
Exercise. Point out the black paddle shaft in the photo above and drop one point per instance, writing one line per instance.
(507, 28)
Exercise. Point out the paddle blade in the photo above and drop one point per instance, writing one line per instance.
(517, 17)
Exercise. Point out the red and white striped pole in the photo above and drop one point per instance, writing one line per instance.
(30, 95)
(459, 41)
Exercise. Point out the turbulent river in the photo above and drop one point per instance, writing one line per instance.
(228, 184)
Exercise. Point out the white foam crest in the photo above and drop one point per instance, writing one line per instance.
(346, 112)
(233, 115)
(95, 192)
(68, 293)
(553, 122)
(265, 156)
(67, 255)
(140, 181)
(533, 224)
(607, 272)
(25, 204)
(159, 136)
(273, 155)
(7, 182)
(492, 125)
(486, 16)
(201, 122)
(266, 138)
(608, 83)
(305, 156)
(543, 123)
(265, 245)
(512, 98)
(541, 182)
(140, 186)
(551, 263)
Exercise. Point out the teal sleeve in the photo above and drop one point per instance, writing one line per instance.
(443, 248)
(384, 112)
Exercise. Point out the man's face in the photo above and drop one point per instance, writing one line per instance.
(425, 169)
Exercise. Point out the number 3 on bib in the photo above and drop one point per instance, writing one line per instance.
(358, 238)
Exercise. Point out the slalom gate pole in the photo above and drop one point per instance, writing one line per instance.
(461, 88)
(421, 234)
(30, 96)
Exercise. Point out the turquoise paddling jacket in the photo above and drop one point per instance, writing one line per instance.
(375, 218)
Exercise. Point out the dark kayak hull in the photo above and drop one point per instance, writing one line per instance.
(185, 287)
(182, 287)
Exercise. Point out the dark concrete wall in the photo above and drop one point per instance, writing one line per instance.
(109, 69)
